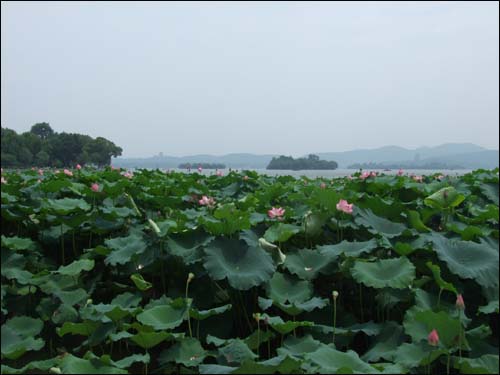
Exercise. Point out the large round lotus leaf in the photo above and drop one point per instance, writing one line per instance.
(76, 267)
(416, 354)
(386, 343)
(486, 364)
(188, 352)
(490, 190)
(298, 346)
(243, 266)
(124, 248)
(275, 365)
(284, 327)
(469, 260)
(66, 206)
(350, 249)
(395, 273)
(306, 263)
(165, 316)
(74, 365)
(188, 247)
(282, 288)
(280, 232)
(419, 323)
(18, 243)
(127, 361)
(331, 361)
(377, 224)
(444, 198)
(147, 340)
(18, 336)
(236, 352)
(204, 314)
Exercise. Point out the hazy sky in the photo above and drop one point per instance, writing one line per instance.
(290, 78)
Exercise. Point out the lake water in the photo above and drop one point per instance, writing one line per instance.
(332, 173)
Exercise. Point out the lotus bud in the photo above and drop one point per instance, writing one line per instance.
(433, 338)
(154, 226)
(460, 302)
(335, 294)
(190, 277)
(256, 316)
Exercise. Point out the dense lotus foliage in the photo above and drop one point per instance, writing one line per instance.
(115, 272)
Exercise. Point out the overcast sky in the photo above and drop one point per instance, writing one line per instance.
(284, 78)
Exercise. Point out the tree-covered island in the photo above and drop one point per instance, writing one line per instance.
(311, 162)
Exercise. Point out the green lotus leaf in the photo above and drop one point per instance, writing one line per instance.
(395, 273)
(313, 224)
(416, 354)
(419, 323)
(127, 361)
(189, 248)
(18, 336)
(436, 272)
(84, 329)
(444, 198)
(71, 297)
(377, 224)
(280, 232)
(299, 346)
(188, 352)
(258, 338)
(306, 263)
(148, 340)
(124, 248)
(165, 317)
(332, 361)
(76, 267)
(279, 364)
(18, 243)
(66, 206)
(236, 352)
(120, 335)
(485, 364)
(216, 369)
(74, 365)
(42, 366)
(490, 308)
(283, 327)
(126, 300)
(416, 222)
(350, 249)
(64, 313)
(204, 314)
(139, 282)
(243, 266)
(282, 288)
(490, 191)
(469, 260)
(386, 343)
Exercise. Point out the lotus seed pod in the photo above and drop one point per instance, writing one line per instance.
(335, 294)
(256, 316)
(190, 276)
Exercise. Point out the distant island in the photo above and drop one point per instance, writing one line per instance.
(311, 162)
(405, 165)
(203, 165)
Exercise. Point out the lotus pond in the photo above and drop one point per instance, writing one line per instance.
(112, 273)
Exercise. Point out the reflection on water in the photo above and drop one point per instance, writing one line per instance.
(330, 173)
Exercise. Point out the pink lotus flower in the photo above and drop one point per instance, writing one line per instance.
(68, 172)
(433, 338)
(4, 181)
(322, 185)
(95, 187)
(349, 177)
(400, 172)
(40, 172)
(245, 178)
(276, 212)
(344, 206)
(1, 170)
(218, 173)
(418, 178)
(365, 175)
(373, 174)
(32, 168)
(128, 174)
(460, 302)
(206, 201)
(200, 169)
(78, 166)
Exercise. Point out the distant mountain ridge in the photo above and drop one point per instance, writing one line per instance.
(467, 155)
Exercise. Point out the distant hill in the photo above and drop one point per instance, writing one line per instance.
(466, 155)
